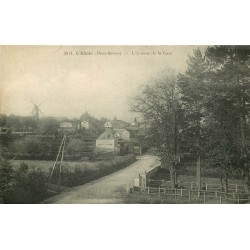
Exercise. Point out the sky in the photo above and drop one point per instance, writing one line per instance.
(69, 80)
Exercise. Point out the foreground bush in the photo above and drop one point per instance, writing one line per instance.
(23, 185)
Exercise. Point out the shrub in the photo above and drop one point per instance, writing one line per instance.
(23, 185)
(7, 180)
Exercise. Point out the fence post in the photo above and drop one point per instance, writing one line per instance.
(164, 190)
(191, 185)
(204, 197)
(181, 191)
(189, 195)
(220, 199)
(236, 188)
(206, 186)
(233, 195)
(216, 195)
(159, 191)
(148, 189)
(175, 193)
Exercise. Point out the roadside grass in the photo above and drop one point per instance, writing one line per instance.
(153, 198)
(77, 173)
(184, 182)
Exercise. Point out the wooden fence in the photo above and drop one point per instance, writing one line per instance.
(204, 196)
(192, 185)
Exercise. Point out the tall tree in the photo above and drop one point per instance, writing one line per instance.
(193, 92)
(230, 65)
(159, 105)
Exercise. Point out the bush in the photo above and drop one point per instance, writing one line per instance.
(7, 180)
(23, 185)
(29, 147)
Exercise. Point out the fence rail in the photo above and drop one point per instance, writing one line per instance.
(192, 185)
(202, 194)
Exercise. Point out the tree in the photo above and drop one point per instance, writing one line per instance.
(49, 125)
(158, 103)
(193, 92)
(230, 66)
(222, 149)
(95, 125)
(3, 120)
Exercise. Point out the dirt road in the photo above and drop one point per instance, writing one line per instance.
(108, 189)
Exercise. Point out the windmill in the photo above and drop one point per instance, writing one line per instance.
(36, 110)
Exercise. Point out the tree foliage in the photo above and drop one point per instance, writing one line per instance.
(205, 113)
(159, 105)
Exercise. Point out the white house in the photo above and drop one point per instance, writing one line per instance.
(107, 142)
(85, 124)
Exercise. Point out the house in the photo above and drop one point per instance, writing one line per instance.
(84, 124)
(65, 127)
(107, 142)
(122, 134)
(133, 130)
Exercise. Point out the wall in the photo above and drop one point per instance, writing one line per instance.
(152, 171)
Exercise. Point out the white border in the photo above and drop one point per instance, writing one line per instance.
(124, 226)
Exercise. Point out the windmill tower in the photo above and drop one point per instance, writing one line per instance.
(36, 111)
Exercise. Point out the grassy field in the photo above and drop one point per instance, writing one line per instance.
(77, 173)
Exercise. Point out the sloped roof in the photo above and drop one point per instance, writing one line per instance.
(120, 130)
(106, 135)
(132, 128)
(119, 124)
(108, 125)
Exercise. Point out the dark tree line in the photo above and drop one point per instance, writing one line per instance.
(203, 113)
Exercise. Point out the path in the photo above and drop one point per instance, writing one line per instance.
(108, 189)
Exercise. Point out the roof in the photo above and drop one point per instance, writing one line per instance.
(133, 128)
(107, 125)
(65, 125)
(119, 124)
(120, 130)
(107, 135)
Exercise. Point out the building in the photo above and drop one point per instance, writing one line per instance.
(133, 129)
(4, 130)
(122, 134)
(84, 125)
(65, 127)
(107, 142)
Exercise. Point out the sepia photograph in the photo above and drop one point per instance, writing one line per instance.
(125, 124)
